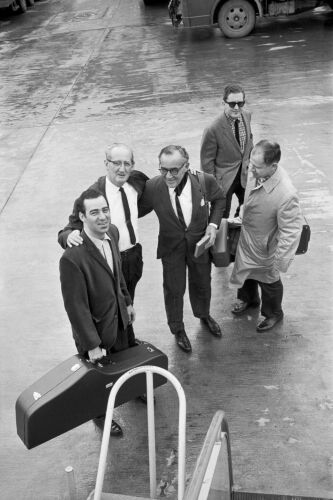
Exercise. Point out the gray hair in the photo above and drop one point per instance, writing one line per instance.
(169, 150)
(109, 149)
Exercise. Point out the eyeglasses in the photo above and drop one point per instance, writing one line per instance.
(232, 104)
(119, 163)
(173, 171)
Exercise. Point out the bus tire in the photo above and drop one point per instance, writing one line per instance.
(19, 6)
(236, 18)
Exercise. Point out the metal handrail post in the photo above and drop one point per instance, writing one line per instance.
(150, 401)
(151, 434)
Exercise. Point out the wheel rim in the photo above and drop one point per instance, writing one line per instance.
(236, 18)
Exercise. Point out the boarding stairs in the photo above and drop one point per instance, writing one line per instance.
(212, 477)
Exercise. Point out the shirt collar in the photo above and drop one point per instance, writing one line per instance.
(112, 186)
(96, 241)
(271, 181)
(232, 120)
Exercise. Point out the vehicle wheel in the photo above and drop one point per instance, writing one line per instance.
(236, 18)
(30, 3)
(19, 6)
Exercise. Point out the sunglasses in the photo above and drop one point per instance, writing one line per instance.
(232, 104)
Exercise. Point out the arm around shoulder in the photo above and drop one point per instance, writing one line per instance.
(74, 223)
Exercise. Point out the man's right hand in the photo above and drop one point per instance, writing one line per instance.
(95, 354)
(74, 238)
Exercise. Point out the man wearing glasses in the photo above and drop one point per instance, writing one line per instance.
(226, 146)
(177, 200)
(122, 186)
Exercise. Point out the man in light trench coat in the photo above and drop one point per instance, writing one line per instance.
(270, 234)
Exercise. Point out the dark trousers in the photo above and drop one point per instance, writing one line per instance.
(174, 286)
(237, 189)
(132, 265)
(271, 296)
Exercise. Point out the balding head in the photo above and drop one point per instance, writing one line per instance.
(119, 162)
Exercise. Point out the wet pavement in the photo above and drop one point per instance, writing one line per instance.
(76, 76)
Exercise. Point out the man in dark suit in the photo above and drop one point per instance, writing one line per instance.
(122, 187)
(226, 146)
(95, 296)
(176, 197)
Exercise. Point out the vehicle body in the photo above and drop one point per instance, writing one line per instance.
(235, 18)
(17, 6)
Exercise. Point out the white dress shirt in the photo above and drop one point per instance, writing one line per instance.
(185, 200)
(117, 213)
(103, 246)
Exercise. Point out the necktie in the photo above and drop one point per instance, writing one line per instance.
(107, 254)
(179, 211)
(181, 185)
(237, 131)
(178, 192)
(127, 216)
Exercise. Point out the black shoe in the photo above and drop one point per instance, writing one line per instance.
(183, 341)
(240, 307)
(212, 325)
(116, 430)
(268, 323)
(143, 398)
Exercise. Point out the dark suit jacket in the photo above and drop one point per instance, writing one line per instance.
(221, 154)
(136, 179)
(156, 196)
(93, 295)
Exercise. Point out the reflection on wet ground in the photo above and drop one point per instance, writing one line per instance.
(78, 75)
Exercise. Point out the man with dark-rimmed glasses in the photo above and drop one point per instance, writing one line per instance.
(177, 200)
(227, 144)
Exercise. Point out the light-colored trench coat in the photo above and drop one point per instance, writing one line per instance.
(271, 229)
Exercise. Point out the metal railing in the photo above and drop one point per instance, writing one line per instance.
(213, 464)
(149, 370)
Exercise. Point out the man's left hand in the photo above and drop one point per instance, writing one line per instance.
(211, 232)
(131, 314)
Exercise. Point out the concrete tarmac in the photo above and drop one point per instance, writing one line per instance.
(76, 76)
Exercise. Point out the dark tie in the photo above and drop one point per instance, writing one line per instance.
(180, 212)
(127, 216)
(178, 192)
(237, 131)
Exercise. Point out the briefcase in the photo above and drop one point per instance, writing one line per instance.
(77, 390)
(219, 252)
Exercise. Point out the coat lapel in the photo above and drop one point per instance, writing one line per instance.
(228, 133)
(247, 129)
(96, 254)
(197, 196)
(166, 201)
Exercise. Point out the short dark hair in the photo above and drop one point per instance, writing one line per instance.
(88, 194)
(233, 88)
(271, 151)
(169, 150)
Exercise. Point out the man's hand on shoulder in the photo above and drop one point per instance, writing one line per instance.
(131, 314)
(95, 354)
(74, 238)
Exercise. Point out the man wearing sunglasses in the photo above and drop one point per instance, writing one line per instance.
(177, 200)
(226, 146)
